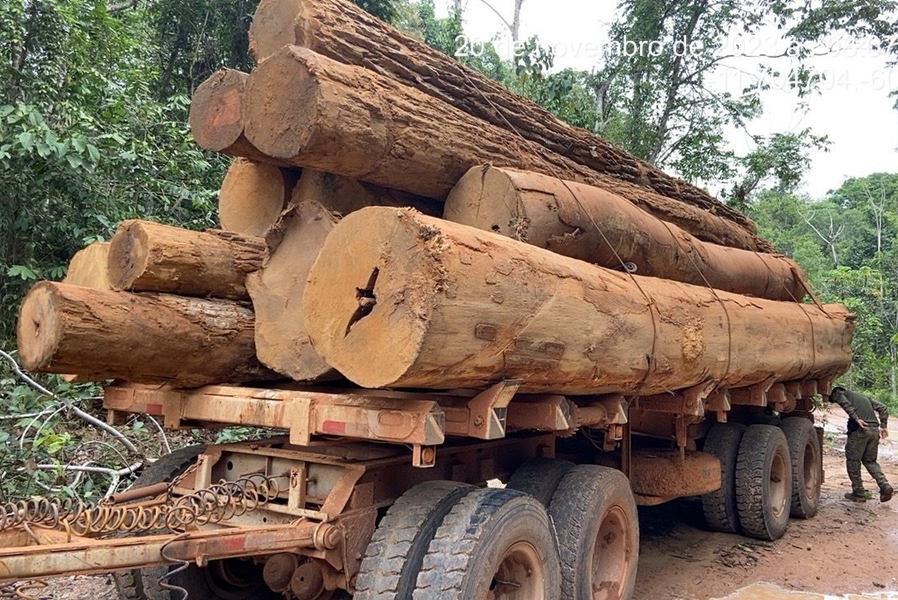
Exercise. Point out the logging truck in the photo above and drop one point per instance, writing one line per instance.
(380, 491)
(423, 284)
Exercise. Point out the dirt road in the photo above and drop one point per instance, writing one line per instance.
(847, 549)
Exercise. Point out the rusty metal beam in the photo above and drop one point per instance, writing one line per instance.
(483, 416)
(82, 556)
(302, 412)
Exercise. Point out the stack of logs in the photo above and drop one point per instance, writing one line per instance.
(532, 250)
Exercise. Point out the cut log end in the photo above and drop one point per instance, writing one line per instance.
(128, 254)
(273, 27)
(486, 198)
(370, 306)
(217, 110)
(283, 108)
(39, 332)
(253, 195)
(88, 267)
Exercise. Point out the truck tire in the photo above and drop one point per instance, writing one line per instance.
(495, 543)
(393, 558)
(598, 531)
(764, 482)
(719, 507)
(807, 466)
(143, 584)
(540, 477)
(231, 579)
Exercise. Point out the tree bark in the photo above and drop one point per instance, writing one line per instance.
(344, 32)
(217, 115)
(150, 257)
(311, 111)
(399, 299)
(143, 338)
(597, 226)
(88, 267)
(253, 195)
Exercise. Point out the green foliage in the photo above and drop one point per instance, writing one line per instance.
(91, 132)
(846, 243)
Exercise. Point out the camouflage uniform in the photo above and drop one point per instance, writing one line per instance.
(863, 443)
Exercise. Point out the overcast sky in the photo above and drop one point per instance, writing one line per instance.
(853, 107)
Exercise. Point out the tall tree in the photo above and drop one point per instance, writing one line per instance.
(661, 102)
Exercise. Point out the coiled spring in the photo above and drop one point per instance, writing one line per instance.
(217, 503)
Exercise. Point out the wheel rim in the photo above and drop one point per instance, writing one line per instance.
(778, 493)
(520, 574)
(810, 470)
(611, 556)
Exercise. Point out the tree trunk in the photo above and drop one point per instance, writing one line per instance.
(311, 111)
(597, 226)
(398, 299)
(217, 115)
(144, 338)
(253, 195)
(319, 199)
(150, 257)
(344, 32)
(88, 267)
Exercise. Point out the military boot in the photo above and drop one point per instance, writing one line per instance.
(855, 497)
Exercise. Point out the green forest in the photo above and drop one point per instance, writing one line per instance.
(93, 130)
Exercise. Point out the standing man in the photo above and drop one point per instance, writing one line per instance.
(864, 432)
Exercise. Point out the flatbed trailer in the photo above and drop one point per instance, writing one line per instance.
(368, 492)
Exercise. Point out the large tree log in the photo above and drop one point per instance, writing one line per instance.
(88, 267)
(217, 113)
(343, 31)
(282, 342)
(144, 338)
(150, 257)
(403, 300)
(253, 195)
(312, 111)
(591, 224)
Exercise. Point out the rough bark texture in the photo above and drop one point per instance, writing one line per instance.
(400, 299)
(217, 115)
(597, 226)
(282, 342)
(345, 32)
(311, 111)
(144, 338)
(88, 267)
(253, 195)
(150, 257)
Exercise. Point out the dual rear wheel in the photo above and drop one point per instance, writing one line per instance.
(557, 531)
(768, 473)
